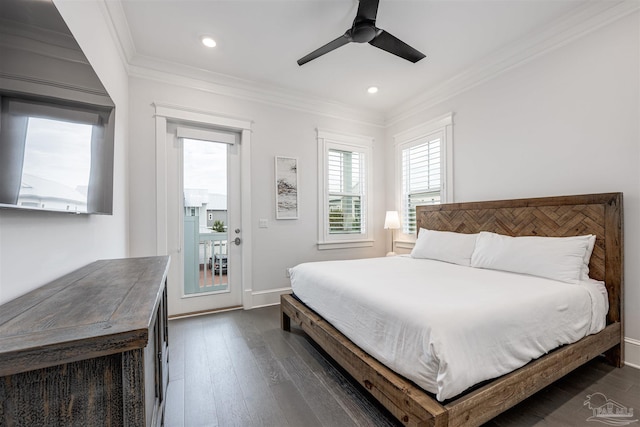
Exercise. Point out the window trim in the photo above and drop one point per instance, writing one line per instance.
(415, 136)
(346, 142)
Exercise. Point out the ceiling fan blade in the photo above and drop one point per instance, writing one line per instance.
(367, 11)
(392, 44)
(340, 41)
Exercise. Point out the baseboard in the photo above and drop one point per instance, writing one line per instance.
(632, 353)
(267, 298)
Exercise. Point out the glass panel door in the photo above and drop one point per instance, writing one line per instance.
(203, 221)
(206, 253)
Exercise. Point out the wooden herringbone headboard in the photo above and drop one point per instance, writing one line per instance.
(599, 214)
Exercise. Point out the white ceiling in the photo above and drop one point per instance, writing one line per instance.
(259, 42)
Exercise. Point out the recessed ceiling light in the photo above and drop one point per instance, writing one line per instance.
(372, 89)
(208, 41)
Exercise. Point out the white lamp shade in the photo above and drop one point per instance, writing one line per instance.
(392, 220)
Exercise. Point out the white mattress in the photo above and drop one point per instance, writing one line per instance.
(444, 326)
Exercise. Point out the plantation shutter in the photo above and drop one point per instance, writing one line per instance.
(346, 191)
(421, 179)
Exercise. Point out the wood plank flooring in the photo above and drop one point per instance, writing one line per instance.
(239, 369)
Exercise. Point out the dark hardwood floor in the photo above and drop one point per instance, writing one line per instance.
(239, 369)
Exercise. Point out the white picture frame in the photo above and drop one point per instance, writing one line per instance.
(286, 174)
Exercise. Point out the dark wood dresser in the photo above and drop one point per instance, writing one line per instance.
(88, 349)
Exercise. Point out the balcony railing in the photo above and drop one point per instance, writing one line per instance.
(205, 259)
(213, 260)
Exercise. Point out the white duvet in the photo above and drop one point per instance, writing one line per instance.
(444, 326)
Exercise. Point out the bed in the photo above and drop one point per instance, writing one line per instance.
(597, 214)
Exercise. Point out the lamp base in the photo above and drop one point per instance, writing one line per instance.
(391, 254)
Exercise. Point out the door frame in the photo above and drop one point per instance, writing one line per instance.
(165, 113)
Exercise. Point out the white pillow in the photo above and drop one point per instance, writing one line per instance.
(444, 246)
(591, 241)
(559, 258)
(587, 257)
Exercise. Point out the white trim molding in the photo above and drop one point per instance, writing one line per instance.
(206, 135)
(632, 352)
(328, 140)
(577, 23)
(269, 297)
(404, 244)
(442, 128)
(116, 20)
(345, 244)
(165, 113)
(149, 68)
(344, 137)
(195, 116)
(169, 72)
(218, 84)
(245, 186)
(423, 129)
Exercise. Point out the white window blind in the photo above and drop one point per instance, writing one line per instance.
(421, 179)
(344, 208)
(345, 183)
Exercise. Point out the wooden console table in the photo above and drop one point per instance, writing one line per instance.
(88, 349)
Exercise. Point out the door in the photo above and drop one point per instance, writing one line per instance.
(203, 220)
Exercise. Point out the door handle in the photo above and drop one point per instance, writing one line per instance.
(237, 241)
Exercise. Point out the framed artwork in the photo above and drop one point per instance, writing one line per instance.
(286, 188)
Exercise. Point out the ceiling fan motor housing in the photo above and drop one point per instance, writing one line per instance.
(363, 32)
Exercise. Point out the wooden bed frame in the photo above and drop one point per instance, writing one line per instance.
(599, 214)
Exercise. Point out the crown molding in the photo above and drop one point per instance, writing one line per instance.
(577, 23)
(192, 78)
(116, 20)
(423, 129)
(173, 73)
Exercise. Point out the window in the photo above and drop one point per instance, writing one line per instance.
(345, 172)
(57, 164)
(344, 162)
(424, 174)
(54, 155)
(421, 178)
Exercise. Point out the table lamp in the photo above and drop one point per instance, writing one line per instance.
(391, 222)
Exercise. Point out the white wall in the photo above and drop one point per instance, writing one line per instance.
(275, 131)
(37, 247)
(564, 123)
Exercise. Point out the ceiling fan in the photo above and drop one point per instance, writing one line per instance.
(364, 30)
